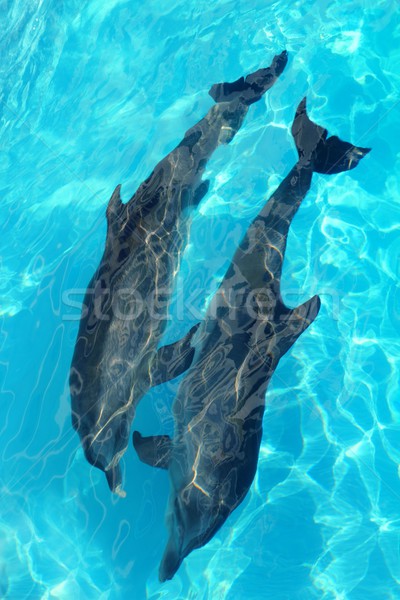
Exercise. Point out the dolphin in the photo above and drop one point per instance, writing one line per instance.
(116, 357)
(218, 411)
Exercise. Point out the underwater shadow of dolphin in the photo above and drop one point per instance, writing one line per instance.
(125, 308)
(219, 407)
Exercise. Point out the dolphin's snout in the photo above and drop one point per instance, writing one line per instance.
(114, 480)
(173, 555)
(97, 458)
(171, 561)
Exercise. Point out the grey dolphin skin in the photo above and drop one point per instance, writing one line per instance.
(219, 406)
(116, 358)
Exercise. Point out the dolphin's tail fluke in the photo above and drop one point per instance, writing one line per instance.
(250, 89)
(328, 155)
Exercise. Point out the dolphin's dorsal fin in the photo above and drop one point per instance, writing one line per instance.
(172, 360)
(154, 450)
(114, 206)
(295, 321)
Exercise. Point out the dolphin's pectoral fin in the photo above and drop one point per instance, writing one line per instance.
(295, 321)
(173, 360)
(201, 191)
(154, 450)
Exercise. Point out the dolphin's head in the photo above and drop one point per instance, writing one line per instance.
(195, 516)
(104, 447)
(211, 469)
(102, 418)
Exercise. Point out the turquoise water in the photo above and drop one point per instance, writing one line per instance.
(94, 94)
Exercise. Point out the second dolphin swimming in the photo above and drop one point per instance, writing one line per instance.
(218, 411)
